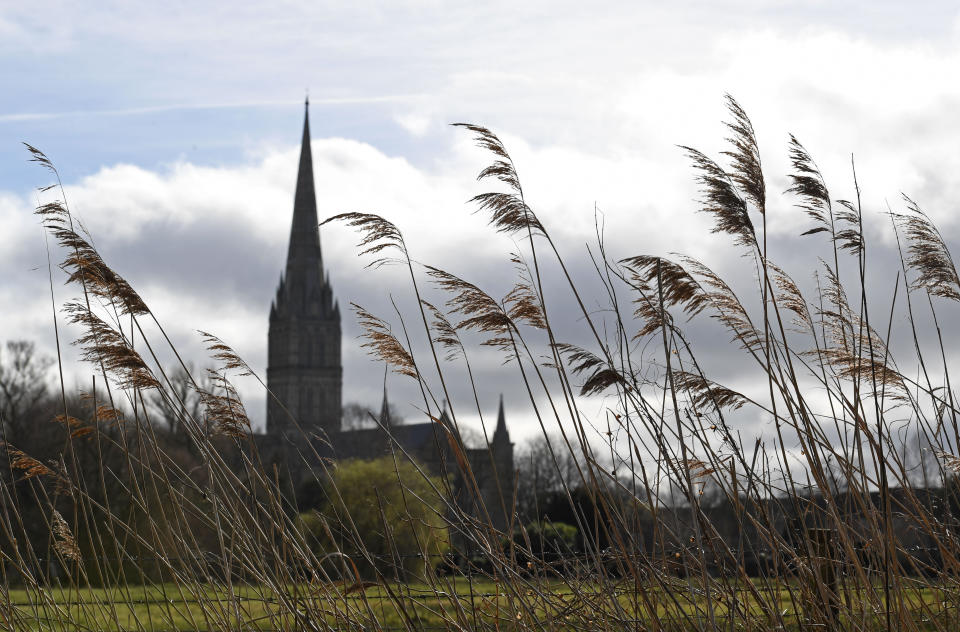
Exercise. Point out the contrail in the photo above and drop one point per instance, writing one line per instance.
(43, 116)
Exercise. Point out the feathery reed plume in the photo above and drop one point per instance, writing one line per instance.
(229, 359)
(382, 344)
(502, 169)
(522, 302)
(852, 361)
(693, 295)
(834, 295)
(728, 309)
(224, 410)
(677, 288)
(927, 254)
(808, 184)
(509, 213)
(378, 235)
(102, 344)
(950, 461)
(79, 433)
(600, 375)
(720, 198)
(64, 542)
(790, 296)
(866, 369)
(84, 265)
(851, 238)
(697, 468)
(444, 333)
(705, 393)
(30, 466)
(108, 414)
(745, 156)
(40, 158)
(524, 307)
(78, 429)
(481, 312)
(853, 350)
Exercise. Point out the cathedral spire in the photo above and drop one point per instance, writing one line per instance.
(385, 420)
(303, 255)
(304, 369)
(501, 435)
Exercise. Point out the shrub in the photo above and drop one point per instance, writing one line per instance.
(381, 513)
(547, 541)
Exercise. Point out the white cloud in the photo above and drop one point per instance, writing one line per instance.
(591, 110)
(416, 123)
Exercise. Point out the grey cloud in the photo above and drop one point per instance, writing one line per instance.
(212, 261)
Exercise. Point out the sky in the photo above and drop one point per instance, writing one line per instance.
(175, 128)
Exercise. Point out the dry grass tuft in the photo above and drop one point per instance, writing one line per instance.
(825, 495)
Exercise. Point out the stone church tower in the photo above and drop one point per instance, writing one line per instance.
(305, 378)
(304, 370)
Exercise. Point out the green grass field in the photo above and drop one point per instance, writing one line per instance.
(456, 603)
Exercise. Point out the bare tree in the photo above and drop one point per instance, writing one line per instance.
(543, 471)
(181, 401)
(23, 385)
(472, 438)
(357, 416)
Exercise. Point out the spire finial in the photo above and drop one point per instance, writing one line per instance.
(306, 97)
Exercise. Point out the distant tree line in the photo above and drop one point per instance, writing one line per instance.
(566, 507)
